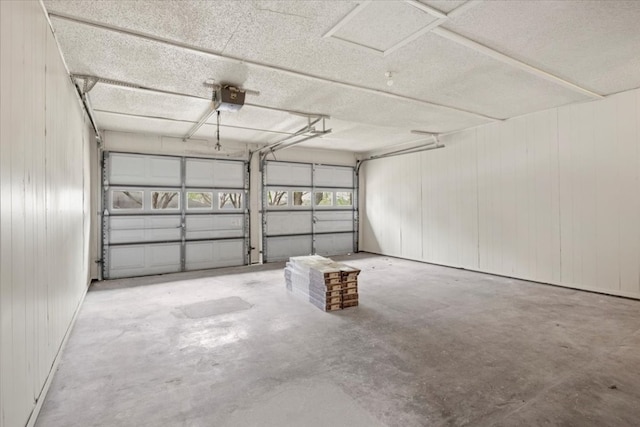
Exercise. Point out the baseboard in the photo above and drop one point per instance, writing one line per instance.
(54, 367)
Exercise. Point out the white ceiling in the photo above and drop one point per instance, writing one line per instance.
(592, 44)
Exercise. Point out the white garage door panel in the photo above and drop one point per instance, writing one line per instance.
(334, 244)
(214, 173)
(141, 260)
(288, 223)
(214, 226)
(322, 221)
(333, 176)
(129, 229)
(334, 221)
(132, 169)
(280, 173)
(281, 248)
(180, 231)
(214, 254)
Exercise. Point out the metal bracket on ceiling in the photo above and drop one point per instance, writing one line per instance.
(432, 145)
(210, 83)
(306, 133)
(89, 83)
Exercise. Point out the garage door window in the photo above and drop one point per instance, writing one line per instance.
(344, 198)
(230, 201)
(324, 198)
(122, 199)
(301, 198)
(199, 200)
(165, 200)
(278, 198)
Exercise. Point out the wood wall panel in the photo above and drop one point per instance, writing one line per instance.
(552, 196)
(44, 217)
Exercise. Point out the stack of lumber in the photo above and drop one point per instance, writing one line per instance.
(327, 284)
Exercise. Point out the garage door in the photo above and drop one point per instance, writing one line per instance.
(168, 214)
(307, 209)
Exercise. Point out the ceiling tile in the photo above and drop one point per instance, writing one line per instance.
(124, 100)
(595, 44)
(382, 24)
(203, 23)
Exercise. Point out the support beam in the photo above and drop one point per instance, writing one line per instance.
(263, 66)
(461, 40)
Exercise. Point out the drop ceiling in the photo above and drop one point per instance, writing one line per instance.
(578, 51)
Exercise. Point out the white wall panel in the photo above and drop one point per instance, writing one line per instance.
(553, 196)
(411, 239)
(444, 213)
(628, 201)
(44, 210)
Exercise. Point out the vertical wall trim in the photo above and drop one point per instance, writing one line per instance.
(421, 169)
(559, 191)
(476, 142)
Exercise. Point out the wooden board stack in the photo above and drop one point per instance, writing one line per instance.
(327, 284)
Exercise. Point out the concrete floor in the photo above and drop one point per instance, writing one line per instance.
(428, 345)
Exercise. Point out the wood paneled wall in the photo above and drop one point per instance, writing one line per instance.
(44, 206)
(552, 196)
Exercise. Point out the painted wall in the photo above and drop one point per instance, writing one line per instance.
(44, 207)
(155, 144)
(552, 197)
